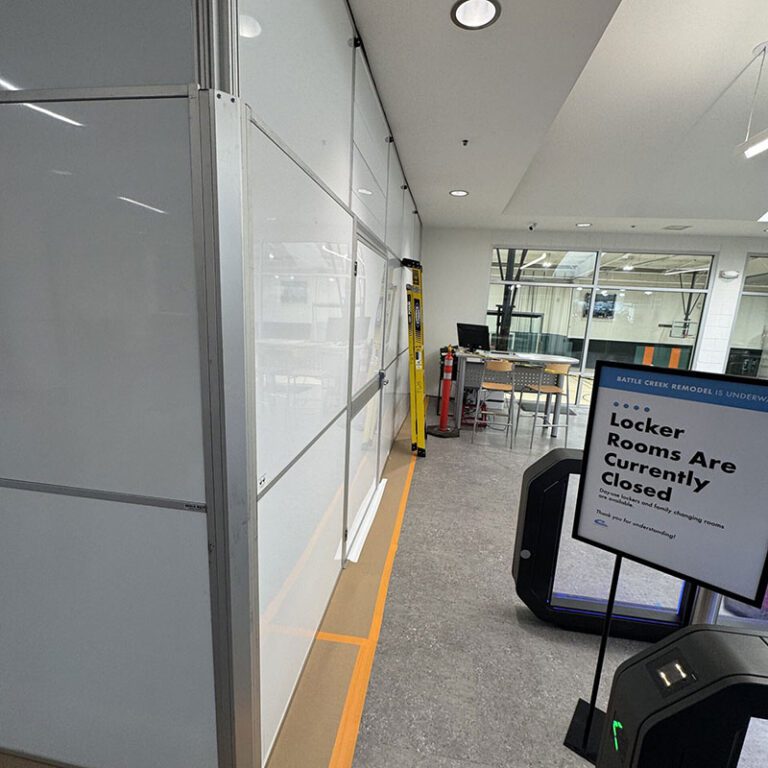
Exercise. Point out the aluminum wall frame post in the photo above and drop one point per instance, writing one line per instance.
(220, 205)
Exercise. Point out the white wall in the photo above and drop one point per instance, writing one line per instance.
(457, 271)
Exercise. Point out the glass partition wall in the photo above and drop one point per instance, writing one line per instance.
(748, 354)
(591, 305)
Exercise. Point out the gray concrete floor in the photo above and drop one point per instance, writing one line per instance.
(465, 676)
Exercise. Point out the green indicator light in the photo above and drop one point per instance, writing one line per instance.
(617, 726)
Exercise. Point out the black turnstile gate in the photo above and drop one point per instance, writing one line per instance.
(543, 498)
(688, 701)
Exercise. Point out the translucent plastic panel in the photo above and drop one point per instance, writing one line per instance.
(402, 395)
(392, 317)
(371, 131)
(299, 530)
(406, 276)
(388, 403)
(584, 571)
(106, 633)
(363, 455)
(369, 316)
(296, 74)
(100, 374)
(368, 200)
(395, 184)
(54, 44)
(301, 269)
(748, 355)
(406, 238)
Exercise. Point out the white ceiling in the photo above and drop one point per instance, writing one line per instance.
(575, 113)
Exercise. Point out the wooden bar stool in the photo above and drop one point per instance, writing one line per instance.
(498, 376)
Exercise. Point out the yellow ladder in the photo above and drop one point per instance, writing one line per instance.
(416, 357)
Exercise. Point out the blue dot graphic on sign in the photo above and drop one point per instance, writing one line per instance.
(626, 405)
(637, 407)
(615, 403)
(646, 409)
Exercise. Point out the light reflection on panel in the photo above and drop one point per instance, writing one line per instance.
(368, 200)
(106, 633)
(299, 530)
(369, 316)
(55, 44)
(300, 264)
(394, 231)
(363, 453)
(392, 320)
(100, 373)
(370, 125)
(296, 75)
(388, 402)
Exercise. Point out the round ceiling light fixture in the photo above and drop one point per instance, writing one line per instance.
(583, 224)
(475, 14)
(458, 193)
(249, 27)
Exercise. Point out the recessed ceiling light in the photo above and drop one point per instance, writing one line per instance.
(627, 268)
(647, 293)
(364, 191)
(622, 293)
(249, 27)
(546, 265)
(584, 224)
(459, 192)
(579, 288)
(475, 14)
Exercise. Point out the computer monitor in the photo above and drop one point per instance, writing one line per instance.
(473, 336)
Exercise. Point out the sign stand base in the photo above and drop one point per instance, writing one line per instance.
(586, 726)
(574, 739)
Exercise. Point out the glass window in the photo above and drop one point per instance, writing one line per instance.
(531, 265)
(757, 274)
(749, 339)
(645, 326)
(537, 318)
(654, 270)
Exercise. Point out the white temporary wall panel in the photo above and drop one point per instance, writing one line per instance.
(368, 200)
(392, 318)
(369, 316)
(300, 266)
(105, 640)
(395, 195)
(296, 75)
(363, 457)
(300, 524)
(370, 126)
(54, 44)
(100, 376)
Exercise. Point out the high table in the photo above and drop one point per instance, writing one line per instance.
(469, 373)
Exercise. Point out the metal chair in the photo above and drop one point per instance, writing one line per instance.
(498, 376)
(549, 390)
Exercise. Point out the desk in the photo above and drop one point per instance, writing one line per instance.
(467, 377)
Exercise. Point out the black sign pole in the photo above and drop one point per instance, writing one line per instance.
(582, 737)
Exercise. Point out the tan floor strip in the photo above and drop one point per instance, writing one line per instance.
(322, 722)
